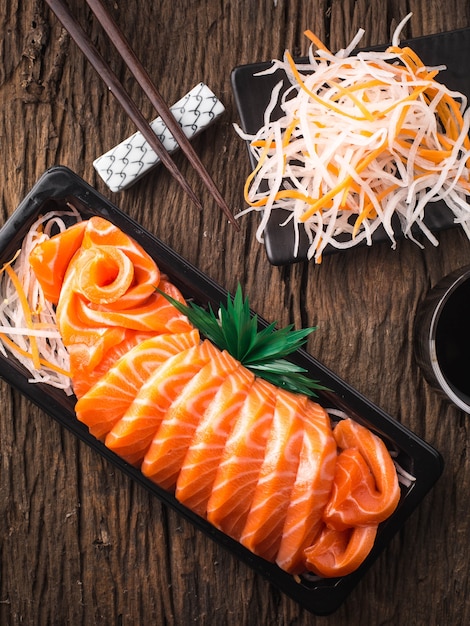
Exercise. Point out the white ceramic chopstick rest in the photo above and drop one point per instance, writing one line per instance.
(127, 162)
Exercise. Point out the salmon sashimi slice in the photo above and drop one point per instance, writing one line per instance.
(194, 484)
(90, 347)
(311, 489)
(263, 529)
(84, 381)
(165, 456)
(340, 552)
(365, 489)
(132, 435)
(50, 259)
(105, 256)
(238, 472)
(352, 474)
(108, 400)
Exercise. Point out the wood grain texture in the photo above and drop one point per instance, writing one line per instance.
(79, 542)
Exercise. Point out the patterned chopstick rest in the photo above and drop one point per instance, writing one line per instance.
(127, 162)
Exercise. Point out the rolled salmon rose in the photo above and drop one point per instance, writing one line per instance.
(104, 285)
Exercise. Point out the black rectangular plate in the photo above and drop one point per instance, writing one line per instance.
(59, 185)
(252, 95)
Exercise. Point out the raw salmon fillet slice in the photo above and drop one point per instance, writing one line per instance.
(263, 529)
(50, 259)
(132, 435)
(240, 465)
(98, 255)
(340, 552)
(365, 488)
(194, 484)
(84, 381)
(165, 456)
(311, 490)
(108, 400)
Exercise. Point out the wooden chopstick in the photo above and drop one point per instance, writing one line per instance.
(109, 77)
(141, 75)
(113, 84)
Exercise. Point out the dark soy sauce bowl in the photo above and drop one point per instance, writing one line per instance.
(442, 337)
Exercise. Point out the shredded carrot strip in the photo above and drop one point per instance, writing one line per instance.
(27, 314)
(412, 96)
(314, 39)
(369, 209)
(435, 156)
(345, 91)
(259, 165)
(286, 193)
(16, 348)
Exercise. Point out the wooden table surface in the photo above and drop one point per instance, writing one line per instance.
(80, 543)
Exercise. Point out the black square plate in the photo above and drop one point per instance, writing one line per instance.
(252, 95)
(59, 185)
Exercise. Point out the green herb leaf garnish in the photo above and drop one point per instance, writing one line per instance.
(263, 351)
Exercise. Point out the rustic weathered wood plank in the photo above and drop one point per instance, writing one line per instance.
(80, 543)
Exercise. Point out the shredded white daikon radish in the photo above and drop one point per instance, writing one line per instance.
(361, 138)
(16, 335)
(404, 477)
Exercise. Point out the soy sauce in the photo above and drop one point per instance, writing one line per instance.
(453, 339)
